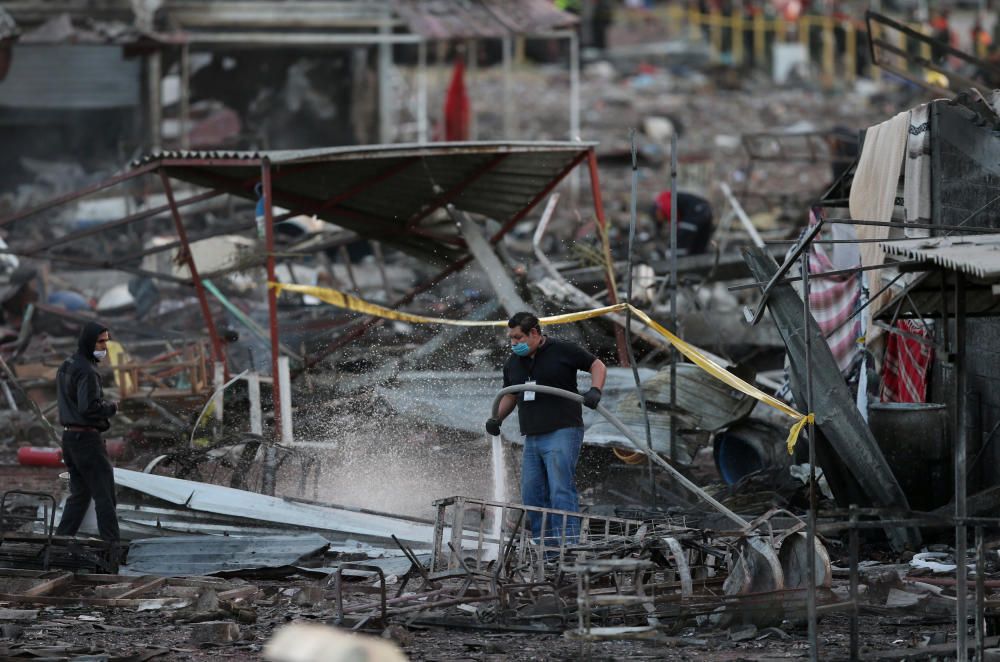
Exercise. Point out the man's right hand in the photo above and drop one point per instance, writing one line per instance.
(493, 427)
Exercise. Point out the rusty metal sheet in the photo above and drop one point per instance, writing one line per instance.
(390, 190)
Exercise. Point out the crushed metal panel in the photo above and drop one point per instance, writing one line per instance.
(846, 433)
(974, 255)
(251, 506)
(465, 19)
(205, 555)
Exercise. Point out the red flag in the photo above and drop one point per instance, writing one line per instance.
(456, 105)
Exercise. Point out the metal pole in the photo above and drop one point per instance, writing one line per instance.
(285, 382)
(155, 109)
(422, 92)
(673, 295)
(961, 575)
(595, 190)
(217, 353)
(185, 101)
(628, 321)
(810, 438)
(508, 88)
(272, 310)
(980, 613)
(384, 86)
(472, 75)
(219, 379)
(853, 545)
(574, 110)
(256, 415)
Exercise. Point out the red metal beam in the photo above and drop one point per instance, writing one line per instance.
(595, 189)
(272, 297)
(75, 195)
(217, 352)
(456, 190)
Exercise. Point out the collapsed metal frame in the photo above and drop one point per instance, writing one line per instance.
(877, 44)
(953, 346)
(161, 166)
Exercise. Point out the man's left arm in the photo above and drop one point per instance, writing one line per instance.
(598, 374)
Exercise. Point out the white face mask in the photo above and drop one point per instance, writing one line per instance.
(100, 354)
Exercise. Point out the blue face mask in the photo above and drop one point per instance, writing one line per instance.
(521, 349)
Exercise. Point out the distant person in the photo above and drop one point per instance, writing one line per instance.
(943, 37)
(601, 18)
(694, 227)
(84, 415)
(552, 426)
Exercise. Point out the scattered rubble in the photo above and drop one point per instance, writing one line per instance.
(306, 481)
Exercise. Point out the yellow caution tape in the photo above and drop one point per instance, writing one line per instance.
(348, 302)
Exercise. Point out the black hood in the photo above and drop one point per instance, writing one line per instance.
(88, 339)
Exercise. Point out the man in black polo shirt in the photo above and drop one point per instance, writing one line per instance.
(552, 426)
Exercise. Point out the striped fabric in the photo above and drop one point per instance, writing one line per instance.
(831, 301)
(904, 369)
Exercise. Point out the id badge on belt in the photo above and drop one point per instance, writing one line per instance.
(529, 395)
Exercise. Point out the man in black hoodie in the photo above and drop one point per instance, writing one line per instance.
(84, 415)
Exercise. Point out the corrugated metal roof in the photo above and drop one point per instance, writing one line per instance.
(464, 19)
(395, 187)
(242, 506)
(203, 555)
(976, 255)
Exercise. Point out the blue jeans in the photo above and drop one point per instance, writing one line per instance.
(548, 472)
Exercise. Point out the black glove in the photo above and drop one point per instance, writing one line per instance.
(592, 397)
(493, 427)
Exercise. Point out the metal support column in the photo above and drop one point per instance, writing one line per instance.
(422, 132)
(574, 109)
(385, 128)
(508, 88)
(961, 442)
(811, 440)
(595, 190)
(154, 116)
(673, 296)
(185, 101)
(272, 311)
(472, 78)
(199, 288)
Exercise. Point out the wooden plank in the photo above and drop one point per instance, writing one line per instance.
(65, 600)
(15, 572)
(238, 593)
(51, 585)
(198, 583)
(150, 584)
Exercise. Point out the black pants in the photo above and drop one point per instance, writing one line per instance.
(90, 477)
